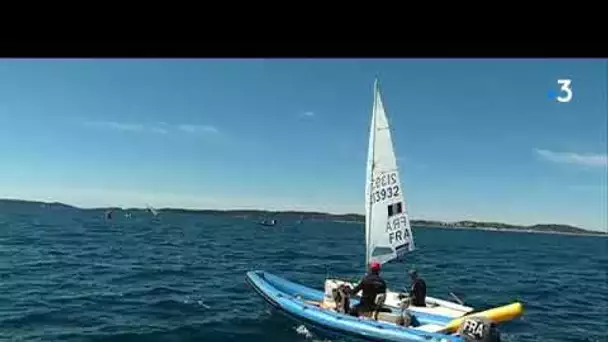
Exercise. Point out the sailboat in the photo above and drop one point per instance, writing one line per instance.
(152, 210)
(388, 233)
(388, 238)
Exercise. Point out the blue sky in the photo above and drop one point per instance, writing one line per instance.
(476, 139)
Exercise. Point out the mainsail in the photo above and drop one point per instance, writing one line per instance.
(388, 234)
(152, 210)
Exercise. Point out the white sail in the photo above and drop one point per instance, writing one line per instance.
(388, 233)
(152, 210)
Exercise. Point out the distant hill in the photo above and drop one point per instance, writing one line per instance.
(541, 228)
(16, 204)
(11, 204)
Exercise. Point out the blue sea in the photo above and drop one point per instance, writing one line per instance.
(72, 275)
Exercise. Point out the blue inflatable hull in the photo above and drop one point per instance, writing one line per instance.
(292, 299)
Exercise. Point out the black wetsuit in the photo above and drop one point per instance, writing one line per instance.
(418, 292)
(372, 285)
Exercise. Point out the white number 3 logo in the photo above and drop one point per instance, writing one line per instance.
(566, 87)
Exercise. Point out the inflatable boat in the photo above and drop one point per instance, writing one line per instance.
(306, 304)
(388, 238)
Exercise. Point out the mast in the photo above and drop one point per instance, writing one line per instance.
(371, 172)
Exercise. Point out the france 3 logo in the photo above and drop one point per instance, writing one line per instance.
(564, 94)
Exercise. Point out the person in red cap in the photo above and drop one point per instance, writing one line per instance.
(371, 285)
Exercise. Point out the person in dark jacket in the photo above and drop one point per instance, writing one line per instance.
(418, 290)
(371, 285)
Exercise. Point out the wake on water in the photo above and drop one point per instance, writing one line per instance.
(302, 330)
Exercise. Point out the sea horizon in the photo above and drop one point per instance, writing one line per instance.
(452, 224)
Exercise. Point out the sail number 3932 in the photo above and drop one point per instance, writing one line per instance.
(385, 187)
(386, 193)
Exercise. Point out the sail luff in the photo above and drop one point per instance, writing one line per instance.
(369, 176)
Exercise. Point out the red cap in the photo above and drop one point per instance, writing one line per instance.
(374, 266)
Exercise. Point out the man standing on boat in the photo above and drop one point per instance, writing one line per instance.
(371, 285)
(418, 291)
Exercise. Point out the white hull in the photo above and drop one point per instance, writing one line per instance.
(434, 305)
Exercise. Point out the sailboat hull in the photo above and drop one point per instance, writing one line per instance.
(300, 303)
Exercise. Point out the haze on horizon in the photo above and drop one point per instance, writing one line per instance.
(475, 139)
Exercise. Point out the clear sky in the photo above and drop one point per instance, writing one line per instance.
(475, 139)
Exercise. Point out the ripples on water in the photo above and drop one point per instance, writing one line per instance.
(71, 275)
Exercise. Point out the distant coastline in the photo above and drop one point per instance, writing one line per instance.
(343, 218)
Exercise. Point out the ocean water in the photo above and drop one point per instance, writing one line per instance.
(71, 275)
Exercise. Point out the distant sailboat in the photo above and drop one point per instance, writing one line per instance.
(152, 210)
